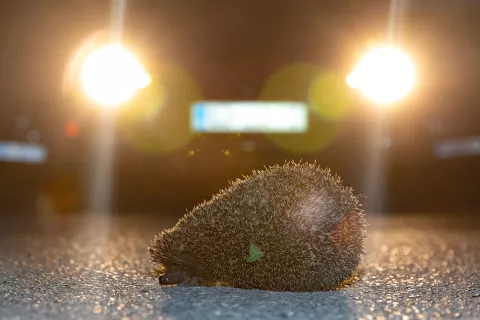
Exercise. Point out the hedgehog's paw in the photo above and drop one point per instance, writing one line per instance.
(176, 276)
(192, 282)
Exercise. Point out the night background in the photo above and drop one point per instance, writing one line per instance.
(232, 51)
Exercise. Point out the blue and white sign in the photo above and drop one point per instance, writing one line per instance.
(249, 117)
(458, 148)
(22, 152)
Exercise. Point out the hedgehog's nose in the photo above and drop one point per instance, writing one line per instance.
(163, 279)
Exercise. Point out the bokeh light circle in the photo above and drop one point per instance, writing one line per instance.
(329, 96)
(293, 83)
(157, 120)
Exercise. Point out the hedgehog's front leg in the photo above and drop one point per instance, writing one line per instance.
(174, 275)
(170, 278)
(193, 282)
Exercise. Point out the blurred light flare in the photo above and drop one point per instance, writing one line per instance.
(104, 72)
(305, 82)
(111, 75)
(384, 74)
(157, 120)
(71, 129)
(329, 96)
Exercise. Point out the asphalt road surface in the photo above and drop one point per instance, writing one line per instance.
(421, 267)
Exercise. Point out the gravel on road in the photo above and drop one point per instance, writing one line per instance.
(418, 267)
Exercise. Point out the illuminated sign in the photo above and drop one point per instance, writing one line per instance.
(22, 152)
(458, 148)
(249, 117)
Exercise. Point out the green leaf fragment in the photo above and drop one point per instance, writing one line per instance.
(255, 253)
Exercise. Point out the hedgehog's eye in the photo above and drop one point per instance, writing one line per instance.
(164, 280)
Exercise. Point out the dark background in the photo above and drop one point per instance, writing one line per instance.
(230, 48)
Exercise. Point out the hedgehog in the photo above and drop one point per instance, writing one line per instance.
(291, 227)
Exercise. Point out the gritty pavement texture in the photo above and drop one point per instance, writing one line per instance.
(415, 268)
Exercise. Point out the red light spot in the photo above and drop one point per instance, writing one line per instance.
(71, 129)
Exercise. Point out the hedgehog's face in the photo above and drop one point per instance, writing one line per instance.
(175, 264)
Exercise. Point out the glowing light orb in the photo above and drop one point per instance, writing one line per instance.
(385, 75)
(111, 75)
